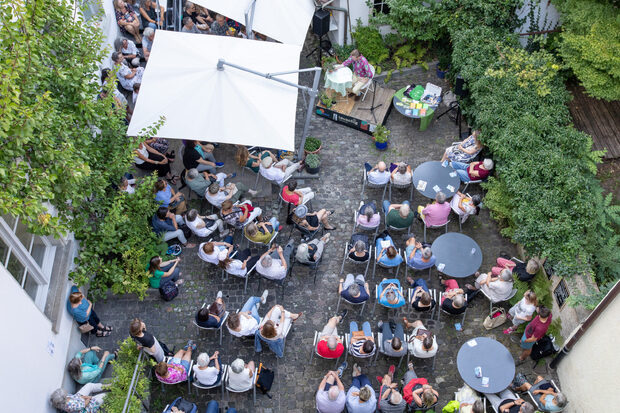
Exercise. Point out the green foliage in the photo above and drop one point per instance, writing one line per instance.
(590, 44)
(312, 144)
(124, 366)
(590, 300)
(326, 101)
(313, 160)
(412, 19)
(342, 52)
(370, 43)
(328, 63)
(381, 133)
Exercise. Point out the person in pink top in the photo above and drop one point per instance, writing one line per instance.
(368, 216)
(362, 73)
(436, 213)
(535, 330)
(177, 369)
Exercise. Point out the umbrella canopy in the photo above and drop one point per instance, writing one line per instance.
(287, 21)
(181, 82)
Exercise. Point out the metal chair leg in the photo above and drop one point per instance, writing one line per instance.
(338, 305)
(424, 231)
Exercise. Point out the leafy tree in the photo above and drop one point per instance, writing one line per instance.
(590, 44)
(63, 145)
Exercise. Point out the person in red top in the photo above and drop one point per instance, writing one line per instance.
(535, 330)
(330, 345)
(475, 171)
(296, 196)
(417, 392)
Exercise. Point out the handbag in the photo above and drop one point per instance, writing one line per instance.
(85, 328)
(495, 319)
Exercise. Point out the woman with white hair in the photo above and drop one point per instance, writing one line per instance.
(418, 256)
(309, 253)
(126, 76)
(208, 370)
(86, 367)
(475, 171)
(241, 375)
(464, 205)
(464, 151)
(84, 401)
(368, 216)
(545, 394)
(497, 288)
(278, 172)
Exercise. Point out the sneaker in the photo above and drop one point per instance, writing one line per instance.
(325, 238)
(508, 331)
(357, 369)
(224, 233)
(380, 380)
(219, 164)
(219, 295)
(410, 365)
(252, 192)
(179, 282)
(190, 343)
(343, 314)
(391, 370)
(342, 368)
(263, 298)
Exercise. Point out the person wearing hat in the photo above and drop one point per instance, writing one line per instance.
(361, 397)
(311, 221)
(277, 172)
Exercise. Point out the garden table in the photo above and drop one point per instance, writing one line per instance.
(457, 255)
(431, 177)
(339, 80)
(495, 361)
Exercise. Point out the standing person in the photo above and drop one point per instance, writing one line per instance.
(522, 311)
(81, 309)
(147, 341)
(535, 330)
(362, 73)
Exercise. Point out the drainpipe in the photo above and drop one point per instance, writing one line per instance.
(346, 18)
(583, 327)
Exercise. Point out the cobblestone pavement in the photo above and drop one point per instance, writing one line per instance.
(338, 188)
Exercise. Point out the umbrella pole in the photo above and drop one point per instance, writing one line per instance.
(313, 94)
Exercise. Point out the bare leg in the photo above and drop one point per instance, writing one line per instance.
(188, 355)
(445, 156)
(179, 354)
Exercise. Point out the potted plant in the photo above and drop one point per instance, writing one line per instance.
(313, 145)
(328, 63)
(313, 163)
(381, 135)
(326, 100)
(443, 65)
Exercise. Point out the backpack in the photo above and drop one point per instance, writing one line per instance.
(265, 379)
(543, 348)
(168, 291)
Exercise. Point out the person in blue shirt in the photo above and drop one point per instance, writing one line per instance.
(354, 289)
(167, 224)
(166, 196)
(81, 309)
(388, 255)
(419, 257)
(390, 294)
(86, 367)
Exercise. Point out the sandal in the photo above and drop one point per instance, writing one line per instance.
(102, 333)
(298, 316)
(108, 328)
(174, 179)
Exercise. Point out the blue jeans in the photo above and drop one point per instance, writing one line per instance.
(420, 283)
(172, 277)
(461, 170)
(365, 328)
(228, 239)
(152, 25)
(367, 166)
(213, 407)
(275, 223)
(386, 205)
(360, 381)
(250, 305)
(399, 332)
(371, 204)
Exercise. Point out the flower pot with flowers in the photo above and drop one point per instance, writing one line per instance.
(381, 135)
(312, 145)
(313, 163)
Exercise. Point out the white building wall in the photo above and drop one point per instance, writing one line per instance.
(589, 373)
(34, 357)
(545, 10)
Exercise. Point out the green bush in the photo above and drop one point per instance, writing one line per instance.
(590, 44)
(124, 366)
(312, 144)
(369, 42)
(381, 133)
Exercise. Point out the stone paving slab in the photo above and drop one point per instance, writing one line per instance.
(338, 188)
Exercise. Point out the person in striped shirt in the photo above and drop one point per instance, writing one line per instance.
(362, 342)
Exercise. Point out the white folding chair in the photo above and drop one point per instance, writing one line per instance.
(247, 274)
(374, 267)
(251, 387)
(219, 383)
(360, 226)
(216, 329)
(189, 372)
(260, 244)
(432, 292)
(317, 336)
(434, 227)
(341, 298)
(491, 302)
(381, 349)
(347, 345)
(346, 258)
(366, 183)
(369, 84)
(401, 186)
(406, 260)
(536, 400)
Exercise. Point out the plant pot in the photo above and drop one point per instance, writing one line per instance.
(313, 171)
(441, 73)
(381, 145)
(317, 151)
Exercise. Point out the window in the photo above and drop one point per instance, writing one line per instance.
(381, 6)
(561, 293)
(27, 257)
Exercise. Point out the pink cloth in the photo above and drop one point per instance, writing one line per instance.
(374, 221)
(174, 375)
(436, 214)
(502, 263)
(450, 285)
(361, 68)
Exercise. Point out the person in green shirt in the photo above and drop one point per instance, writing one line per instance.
(398, 215)
(163, 272)
(86, 367)
(263, 231)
